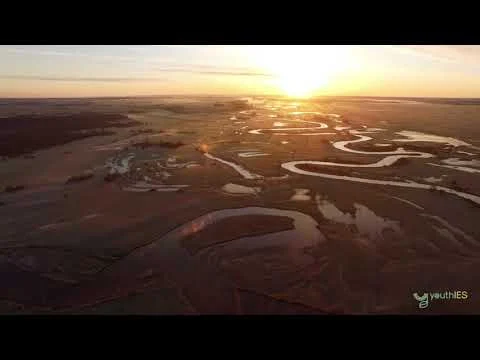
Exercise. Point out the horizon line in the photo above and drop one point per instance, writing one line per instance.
(234, 95)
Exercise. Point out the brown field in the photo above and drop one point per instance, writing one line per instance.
(172, 206)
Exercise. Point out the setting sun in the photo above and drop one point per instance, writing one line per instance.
(299, 71)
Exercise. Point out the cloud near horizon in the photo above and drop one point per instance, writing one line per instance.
(131, 79)
(458, 54)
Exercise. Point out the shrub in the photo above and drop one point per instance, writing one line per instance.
(13, 188)
(111, 177)
(77, 178)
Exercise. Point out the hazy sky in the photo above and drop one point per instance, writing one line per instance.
(127, 70)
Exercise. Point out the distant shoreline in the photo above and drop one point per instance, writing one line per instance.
(240, 96)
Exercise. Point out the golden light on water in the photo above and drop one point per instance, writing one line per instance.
(298, 70)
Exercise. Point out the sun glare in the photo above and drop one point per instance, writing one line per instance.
(300, 71)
